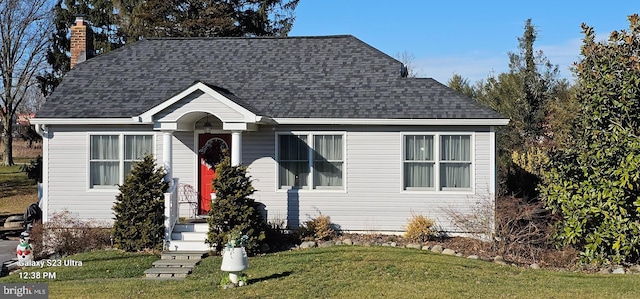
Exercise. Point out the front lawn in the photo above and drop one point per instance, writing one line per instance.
(17, 192)
(335, 272)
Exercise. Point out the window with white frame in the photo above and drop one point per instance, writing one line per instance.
(112, 156)
(419, 162)
(437, 160)
(311, 160)
(294, 161)
(455, 161)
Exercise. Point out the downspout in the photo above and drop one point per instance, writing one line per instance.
(43, 192)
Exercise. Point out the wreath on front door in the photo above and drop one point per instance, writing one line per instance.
(213, 151)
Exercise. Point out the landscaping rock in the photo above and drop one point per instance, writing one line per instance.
(499, 260)
(618, 270)
(473, 257)
(604, 271)
(448, 251)
(634, 269)
(459, 254)
(414, 246)
(486, 259)
(326, 244)
(339, 243)
(534, 266)
(426, 247)
(347, 242)
(393, 244)
(308, 244)
(358, 243)
(386, 245)
(366, 244)
(436, 248)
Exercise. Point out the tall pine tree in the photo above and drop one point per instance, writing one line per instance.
(523, 95)
(106, 36)
(207, 18)
(139, 208)
(120, 22)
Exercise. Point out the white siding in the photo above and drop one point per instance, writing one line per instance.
(373, 199)
(199, 101)
(184, 164)
(68, 187)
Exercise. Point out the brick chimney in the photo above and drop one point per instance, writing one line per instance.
(81, 41)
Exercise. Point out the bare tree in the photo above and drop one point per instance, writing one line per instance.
(25, 27)
(408, 60)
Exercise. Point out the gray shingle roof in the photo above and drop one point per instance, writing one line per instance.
(301, 77)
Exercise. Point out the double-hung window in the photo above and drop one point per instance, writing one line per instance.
(294, 161)
(455, 161)
(419, 162)
(111, 157)
(437, 162)
(311, 160)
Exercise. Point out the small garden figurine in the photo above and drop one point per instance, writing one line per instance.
(234, 259)
(24, 251)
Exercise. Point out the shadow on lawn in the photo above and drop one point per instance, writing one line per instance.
(16, 186)
(106, 258)
(272, 276)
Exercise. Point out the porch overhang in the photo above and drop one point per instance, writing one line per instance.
(180, 112)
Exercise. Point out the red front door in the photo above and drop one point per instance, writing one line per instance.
(210, 147)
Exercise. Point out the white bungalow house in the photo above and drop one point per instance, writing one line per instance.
(324, 124)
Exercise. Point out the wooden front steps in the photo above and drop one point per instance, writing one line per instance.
(175, 264)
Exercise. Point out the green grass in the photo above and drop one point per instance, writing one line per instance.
(17, 192)
(336, 272)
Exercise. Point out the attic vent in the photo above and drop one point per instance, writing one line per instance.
(404, 71)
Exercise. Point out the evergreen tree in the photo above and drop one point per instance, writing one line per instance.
(106, 36)
(115, 23)
(523, 95)
(461, 85)
(206, 18)
(139, 208)
(593, 183)
(233, 210)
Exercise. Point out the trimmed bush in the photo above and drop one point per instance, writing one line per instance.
(233, 209)
(139, 208)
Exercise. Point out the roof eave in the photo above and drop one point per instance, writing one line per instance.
(397, 122)
(86, 121)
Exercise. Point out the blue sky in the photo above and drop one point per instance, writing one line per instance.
(470, 38)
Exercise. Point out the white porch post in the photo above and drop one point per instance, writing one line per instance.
(167, 154)
(236, 148)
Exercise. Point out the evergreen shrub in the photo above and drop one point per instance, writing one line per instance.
(139, 208)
